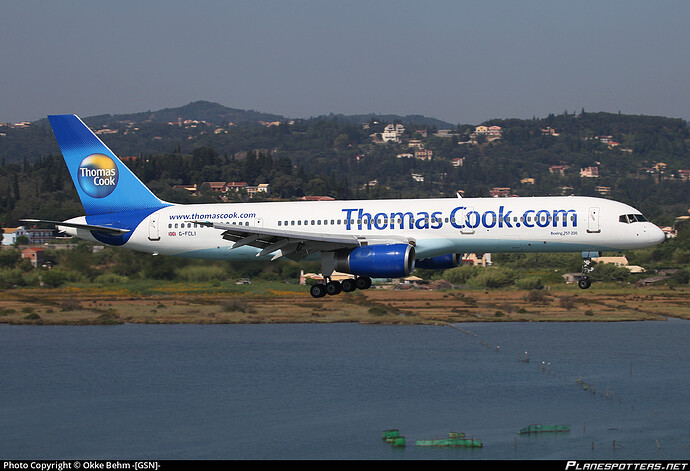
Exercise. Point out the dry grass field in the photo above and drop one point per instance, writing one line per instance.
(273, 303)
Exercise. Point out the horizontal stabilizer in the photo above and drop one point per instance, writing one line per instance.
(90, 227)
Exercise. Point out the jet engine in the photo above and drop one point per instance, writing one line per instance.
(377, 261)
(443, 262)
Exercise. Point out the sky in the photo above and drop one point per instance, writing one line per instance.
(461, 61)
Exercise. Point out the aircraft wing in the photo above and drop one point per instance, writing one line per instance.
(91, 227)
(295, 244)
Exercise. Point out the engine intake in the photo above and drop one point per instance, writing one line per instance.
(377, 261)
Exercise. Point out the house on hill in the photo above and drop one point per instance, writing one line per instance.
(589, 172)
(35, 255)
(11, 234)
(621, 261)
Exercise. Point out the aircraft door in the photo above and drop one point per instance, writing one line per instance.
(593, 220)
(465, 221)
(154, 233)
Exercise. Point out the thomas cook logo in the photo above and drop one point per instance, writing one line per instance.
(97, 175)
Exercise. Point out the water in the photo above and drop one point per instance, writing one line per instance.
(328, 391)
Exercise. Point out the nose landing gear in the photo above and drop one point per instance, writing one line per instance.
(587, 267)
(584, 282)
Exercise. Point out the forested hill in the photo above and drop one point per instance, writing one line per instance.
(154, 131)
(642, 160)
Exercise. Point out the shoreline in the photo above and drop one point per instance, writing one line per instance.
(278, 303)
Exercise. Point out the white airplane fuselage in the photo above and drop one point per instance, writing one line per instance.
(438, 226)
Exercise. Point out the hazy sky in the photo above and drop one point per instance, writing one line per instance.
(460, 61)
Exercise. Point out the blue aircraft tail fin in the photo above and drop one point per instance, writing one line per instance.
(103, 182)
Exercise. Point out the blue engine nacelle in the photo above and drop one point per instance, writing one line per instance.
(377, 261)
(451, 260)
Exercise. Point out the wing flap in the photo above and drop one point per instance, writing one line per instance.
(295, 244)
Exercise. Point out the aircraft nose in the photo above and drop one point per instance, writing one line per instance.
(656, 235)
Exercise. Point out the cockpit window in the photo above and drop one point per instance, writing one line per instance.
(630, 218)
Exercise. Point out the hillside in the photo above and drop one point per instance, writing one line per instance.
(151, 131)
(641, 160)
(197, 111)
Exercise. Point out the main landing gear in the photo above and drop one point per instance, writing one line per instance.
(332, 288)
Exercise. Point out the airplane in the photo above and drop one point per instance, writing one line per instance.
(364, 238)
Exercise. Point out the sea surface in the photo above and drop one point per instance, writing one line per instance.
(328, 391)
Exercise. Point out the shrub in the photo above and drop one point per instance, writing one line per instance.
(69, 304)
(378, 311)
(234, 305)
(57, 276)
(460, 275)
(492, 278)
(110, 279)
(567, 302)
(536, 297)
(609, 272)
(201, 273)
(529, 283)
(11, 277)
(9, 257)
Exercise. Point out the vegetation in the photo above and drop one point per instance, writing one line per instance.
(344, 157)
(115, 266)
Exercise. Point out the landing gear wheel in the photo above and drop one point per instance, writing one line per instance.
(333, 288)
(587, 268)
(584, 283)
(349, 285)
(318, 290)
(363, 282)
